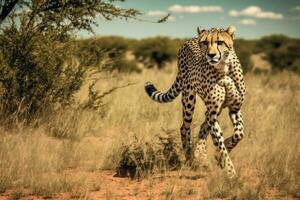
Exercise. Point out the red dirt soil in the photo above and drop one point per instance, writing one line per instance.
(186, 185)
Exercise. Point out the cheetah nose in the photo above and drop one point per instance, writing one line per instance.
(211, 55)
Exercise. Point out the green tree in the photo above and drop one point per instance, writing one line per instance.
(244, 49)
(158, 50)
(91, 52)
(269, 43)
(281, 51)
(38, 71)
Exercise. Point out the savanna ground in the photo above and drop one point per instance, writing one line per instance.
(75, 154)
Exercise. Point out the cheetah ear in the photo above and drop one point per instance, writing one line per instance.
(200, 30)
(231, 30)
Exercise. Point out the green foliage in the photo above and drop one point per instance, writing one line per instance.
(124, 65)
(36, 73)
(38, 70)
(157, 51)
(91, 51)
(286, 56)
(281, 51)
(244, 49)
(269, 43)
(67, 14)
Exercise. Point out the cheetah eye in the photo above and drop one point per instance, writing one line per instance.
(220, 42)
(205, 43)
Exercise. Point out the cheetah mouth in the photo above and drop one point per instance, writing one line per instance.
(213, 62)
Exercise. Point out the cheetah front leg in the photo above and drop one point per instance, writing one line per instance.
(200, 152)
(214, 108)
(238, 128)
(188, 106)
(218, 140)
(234, 100)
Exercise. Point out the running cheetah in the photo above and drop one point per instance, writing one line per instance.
(208, 67)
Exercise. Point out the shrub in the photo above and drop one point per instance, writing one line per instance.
(123, 65)
(38, 69)
(244, 50)
(296, 66)
(269, 43)
(91, 51)
(286, 56)
(37, 73)
(138, 159)
(281, 51)
(157, 51)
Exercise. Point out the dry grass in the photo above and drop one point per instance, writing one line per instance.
(67, 155)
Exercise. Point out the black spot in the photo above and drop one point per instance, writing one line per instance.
(188, 120)
(188, 114)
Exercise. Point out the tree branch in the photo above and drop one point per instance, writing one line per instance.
(7, 8)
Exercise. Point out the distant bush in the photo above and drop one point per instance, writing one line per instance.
(91, 51)
(286, 57)
(296, 65)
(124, 65)
(269, 43)
(244, 49)
(157, 51)
(281, 51)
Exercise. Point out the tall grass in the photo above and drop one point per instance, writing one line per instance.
(54, 158)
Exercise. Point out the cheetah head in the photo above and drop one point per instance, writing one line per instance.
(218, 43)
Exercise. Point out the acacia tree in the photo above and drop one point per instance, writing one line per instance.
(80, 12)
(37, 69)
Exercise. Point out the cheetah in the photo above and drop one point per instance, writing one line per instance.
(208, 67)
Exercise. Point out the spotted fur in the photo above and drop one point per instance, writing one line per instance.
(208, 67)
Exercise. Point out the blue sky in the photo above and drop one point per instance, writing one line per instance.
(252, 18)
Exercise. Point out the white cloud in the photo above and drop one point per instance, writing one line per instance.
(157, 13)
(248, 22)
(194, 9)
(297, 8)
(257, 12)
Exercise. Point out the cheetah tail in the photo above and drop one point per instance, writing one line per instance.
(161, 97)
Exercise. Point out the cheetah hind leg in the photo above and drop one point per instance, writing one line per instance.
(188, 105)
